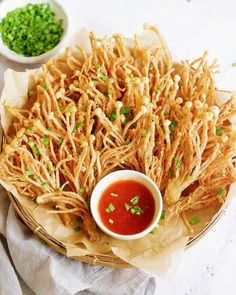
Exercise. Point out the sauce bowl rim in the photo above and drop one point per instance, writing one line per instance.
(118, 175)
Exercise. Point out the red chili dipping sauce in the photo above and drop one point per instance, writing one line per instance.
(126, 207)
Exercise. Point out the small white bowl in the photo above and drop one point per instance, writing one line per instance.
(60, 13)
(126, 175)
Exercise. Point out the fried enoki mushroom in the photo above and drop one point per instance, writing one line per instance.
(121, 107)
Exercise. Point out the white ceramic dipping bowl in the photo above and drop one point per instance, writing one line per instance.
(60, 13)
(120, 175)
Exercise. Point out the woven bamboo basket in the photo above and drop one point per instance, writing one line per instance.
(109, 260)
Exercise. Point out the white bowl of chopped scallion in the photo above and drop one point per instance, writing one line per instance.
(32, 31)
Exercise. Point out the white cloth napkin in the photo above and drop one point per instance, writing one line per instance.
(40, 270)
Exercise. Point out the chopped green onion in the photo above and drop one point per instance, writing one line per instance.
(219, 131)
(100, 75)
(79, 150)
(166, 114)
(82, 190)
(111, 221)
(138, 210)
(158, 89)
(77, 126)
(60, 142)
(128, 141)
(172, 125)
(127, 206)
(45, 86)
(45, 185)
(221, 192)
(110, 208)
(109, 91)
(105, 78)
(31, 30)
(134, 200)
(45, 140)
(178, 163)
(49, 129)
(35, 151)
(163, 214)
(114, 195)
(112, 116)
(31, 93)
(77, 228)
(171, 173)
(125, 110)
(127, 119)
(29, 172)
(29, 130)
(154, 230)
(151, 68)
(31, 143)
(194, 220)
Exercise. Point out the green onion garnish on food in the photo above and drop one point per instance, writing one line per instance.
(77, 126)
(194, 220)
(105, 78)
(77, 228)
(112, 116)
(31, 93)
(163, 214)
(45, 185)
(127, 206)
(45, 140)
(219, 131)
(82, 190)
(29, 172)
(45, 86)
(31, 143)
(111, 221)
(172, 125)
(110, 208)
(154, 230)
(134, 200)
(35, 150)
(125, 110)
(60, 142)
(127, 142)
(178, 163)
(221, 192)
(29, 130)
(127, 119)
(171, 172)
(138, 210)
(158, 89)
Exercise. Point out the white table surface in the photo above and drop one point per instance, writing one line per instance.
(190, 28)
